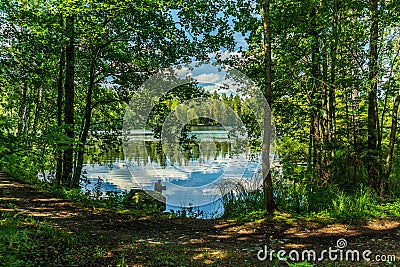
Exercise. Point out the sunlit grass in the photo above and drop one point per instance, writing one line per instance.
(27, 242)
(327, 205)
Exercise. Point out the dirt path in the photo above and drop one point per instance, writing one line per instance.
(200, 242)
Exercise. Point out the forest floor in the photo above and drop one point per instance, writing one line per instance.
(110, 238)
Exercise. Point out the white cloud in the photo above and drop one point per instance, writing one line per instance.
(210, 77)
(181, 72)
(224, 54)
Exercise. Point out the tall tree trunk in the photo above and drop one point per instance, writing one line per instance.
(60, 93)
(390, 148)
(22, 113)
(310, 147)
(393, 130)
(355, 118)
(355, 112)
(23, 87)
(87, 121)
(69, 101)
(37, 108)
(372, 158)
(325, 119)
(316, 104)
(269, 203)
(387, 93)
(347, 100)
(333, 53)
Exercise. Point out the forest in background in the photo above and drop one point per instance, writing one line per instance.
(330, 70)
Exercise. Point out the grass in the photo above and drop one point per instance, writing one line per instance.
(161, 254)
(330, 204)
(119, 202)
(27, 242)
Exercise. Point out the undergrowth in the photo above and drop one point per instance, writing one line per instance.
(313, 202)
(27, 242)
(140, 204)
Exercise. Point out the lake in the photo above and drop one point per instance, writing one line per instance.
(195, 174)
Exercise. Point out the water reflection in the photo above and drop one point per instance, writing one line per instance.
(193, 175)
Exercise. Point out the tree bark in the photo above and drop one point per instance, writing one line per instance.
(316, 103)
(22, 113)
(87, 121)
(325, 119)
(69, 101)
(355, 119)
(60, 93)
(37, 108)
(333, 52)
(23, 108)
(310, 147)
(389, 154)
(373, 174)
(269, 203)
(355, 112)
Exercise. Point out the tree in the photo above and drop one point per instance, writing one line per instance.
(373, 169)
(97, 55)
(68, 159)
(60, 96)
(269, 203)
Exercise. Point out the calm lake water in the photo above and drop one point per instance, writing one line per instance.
(194, 175)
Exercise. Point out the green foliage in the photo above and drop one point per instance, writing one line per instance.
(391, 208)
(23, 168)
(394, 179)
(244, 204)
(300, 264)
(302, 197)
(291, 150)
(298, 196)
(140, 204)
(108, 200)
(26, 242)
(121, 262)
(187, 212)
(354, 205)
(318, 49)
(118, 45)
